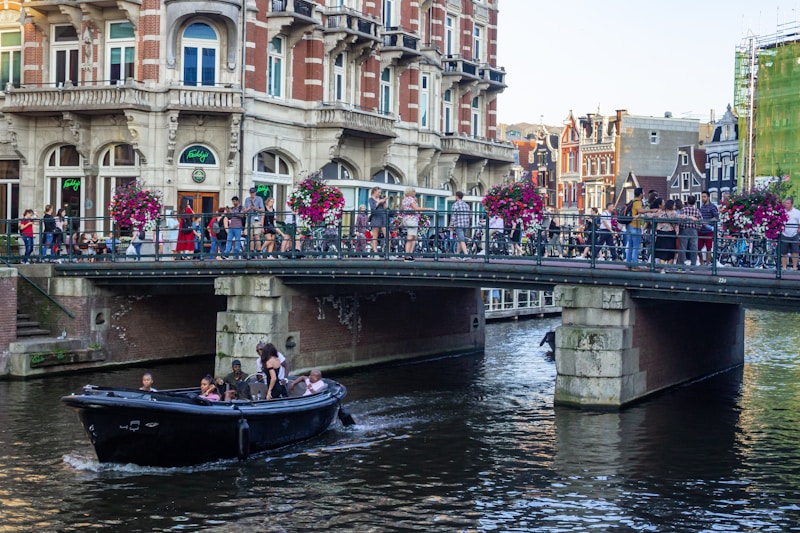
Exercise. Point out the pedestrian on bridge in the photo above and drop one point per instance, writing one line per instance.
(790, 239)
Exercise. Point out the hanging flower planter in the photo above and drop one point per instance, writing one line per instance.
(756, 212)
(134, 207)
(317, 204)
(516, 202)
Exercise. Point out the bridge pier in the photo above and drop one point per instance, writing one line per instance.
(612, 349)
(338, 327)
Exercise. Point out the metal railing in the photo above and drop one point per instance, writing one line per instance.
(572, 240)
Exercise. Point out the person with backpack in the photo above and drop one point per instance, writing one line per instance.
(217, 230)
(634, 230)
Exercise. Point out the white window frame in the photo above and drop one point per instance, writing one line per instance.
(201, 45)
(276, 60)
(448, 111)
(475, 117)
(571, 162)
(340, 78)
(424, 101)
(450, 35)
(385, 96)
(71, 53)
(389, 14)
(654, 137)
(10, 56)
(123, 44)
(684, 159)
(478, 33)
(686, 181)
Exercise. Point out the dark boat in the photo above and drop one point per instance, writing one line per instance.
(179, 428)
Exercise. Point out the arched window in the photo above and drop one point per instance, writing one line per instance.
(336, 171)
(64, 178)
(200, 52)
(197, 155)
(386, 176)
(119, 166)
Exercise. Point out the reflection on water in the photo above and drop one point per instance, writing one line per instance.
(468, 443)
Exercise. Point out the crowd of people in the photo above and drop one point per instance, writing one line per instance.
(684, 232)
(271, 376)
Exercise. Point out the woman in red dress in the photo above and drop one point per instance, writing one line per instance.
(185, 234)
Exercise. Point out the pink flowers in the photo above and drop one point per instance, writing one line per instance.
(758, 212)
(517, 202)
(316, 203)
(134, 207)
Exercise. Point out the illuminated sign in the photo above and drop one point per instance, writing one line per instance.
(197, 155)
(262, 190)
(72, 183)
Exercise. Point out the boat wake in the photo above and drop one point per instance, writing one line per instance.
(89, 464)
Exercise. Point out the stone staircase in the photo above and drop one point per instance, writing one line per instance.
(27, 327)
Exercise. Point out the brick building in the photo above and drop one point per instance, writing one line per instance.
(203, 99)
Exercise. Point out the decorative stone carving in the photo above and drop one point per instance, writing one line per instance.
(172, 136)
(223, 286)
(614, 299)
(564, 296)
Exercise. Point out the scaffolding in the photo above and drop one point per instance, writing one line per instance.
(767, 102)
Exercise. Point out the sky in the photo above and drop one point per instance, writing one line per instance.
(646, 56)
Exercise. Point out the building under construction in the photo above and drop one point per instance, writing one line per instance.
(767, 102)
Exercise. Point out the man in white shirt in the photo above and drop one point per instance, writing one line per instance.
(790, 240)
(605, 233)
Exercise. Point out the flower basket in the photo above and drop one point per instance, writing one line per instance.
(135, 207)
(317, 204)
(756, 212)
(516, 202)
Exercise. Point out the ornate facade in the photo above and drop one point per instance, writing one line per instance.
(203, 99)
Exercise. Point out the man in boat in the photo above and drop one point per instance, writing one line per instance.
(233, 385)
(313, 382)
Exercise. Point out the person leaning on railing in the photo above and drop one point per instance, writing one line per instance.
(790, 239)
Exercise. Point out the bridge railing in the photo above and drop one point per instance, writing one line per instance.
(663, 244)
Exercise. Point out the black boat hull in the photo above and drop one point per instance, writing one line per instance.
(175, 428)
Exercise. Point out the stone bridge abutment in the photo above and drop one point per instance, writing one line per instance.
(613, 349)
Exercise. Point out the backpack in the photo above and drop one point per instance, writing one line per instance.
(625, 215)
(215, 226)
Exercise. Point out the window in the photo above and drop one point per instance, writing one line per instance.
(477, 44)
(336, 171)
(197, 155)
(200, 51)
(385, 176)
(448, 114)
(475, 123)
(385, 103)
(593, 168)
(65, 56)
(727, 168)
(684, 159)
(653, 137)
(338, 79)
(388, 14)
(449, 35)
(685, 181)
(120, 155)
(121, 52)
(604, 166)
(10, 49)
(275, 67)
(64, 180)
(424, 101)
(571, 162)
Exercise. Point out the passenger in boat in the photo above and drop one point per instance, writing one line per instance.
(147, 383)
(283, 371)
(231, 384)
(208, 390)
(271, 367)
(313, 381)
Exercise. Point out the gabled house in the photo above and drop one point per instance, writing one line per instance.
(689, 176)
(722, 156)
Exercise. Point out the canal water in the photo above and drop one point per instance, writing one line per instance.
(468, 443)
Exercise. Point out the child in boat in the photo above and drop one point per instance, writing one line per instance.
(313, 382)
(147, 383)
(208, 390)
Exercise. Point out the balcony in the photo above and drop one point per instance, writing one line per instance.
(463, 70)
(358, 29)
(104, 99)
(288, 15)
(495, 77)
(400, 45)
(206, 100)
(96, 99)
(478, 148)
(356, 121)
